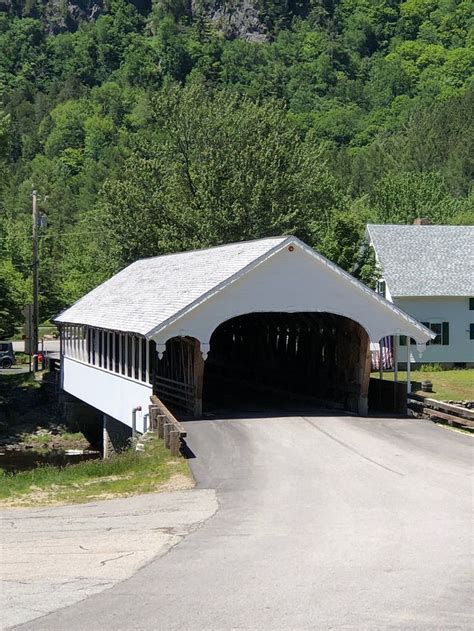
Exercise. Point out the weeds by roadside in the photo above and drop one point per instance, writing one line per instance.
(125, 474)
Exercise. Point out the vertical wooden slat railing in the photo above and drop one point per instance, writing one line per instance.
(164, 423)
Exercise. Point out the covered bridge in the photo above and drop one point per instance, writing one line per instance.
(226, 323)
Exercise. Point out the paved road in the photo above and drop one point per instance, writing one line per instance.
(51, 346)
(324, 523)
(15, 370)
(55, 556)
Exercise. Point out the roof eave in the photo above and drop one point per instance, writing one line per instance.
(291, 240)
(338, 270)
(218, 288)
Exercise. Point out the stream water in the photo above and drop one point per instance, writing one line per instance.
(12, 461)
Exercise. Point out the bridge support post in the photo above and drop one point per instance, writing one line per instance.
(365, 364)
(198, 378)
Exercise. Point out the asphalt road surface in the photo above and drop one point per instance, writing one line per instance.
(324, 523)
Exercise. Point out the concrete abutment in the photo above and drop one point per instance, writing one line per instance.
(116, 436)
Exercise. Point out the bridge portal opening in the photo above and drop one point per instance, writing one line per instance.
(280, 359)
(268, 361)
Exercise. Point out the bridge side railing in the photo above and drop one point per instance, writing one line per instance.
(166, 425)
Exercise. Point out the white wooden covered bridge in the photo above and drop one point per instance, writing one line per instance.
(270, 315)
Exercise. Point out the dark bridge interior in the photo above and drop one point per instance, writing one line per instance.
(287, 357)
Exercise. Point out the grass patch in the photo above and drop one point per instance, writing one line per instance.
(455, 385)
(125, 474)
(22, 359)
(11, 384)
(47, 441)
(10, 380)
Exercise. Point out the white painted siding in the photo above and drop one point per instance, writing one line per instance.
(442, 309)
(292, 281)
(109, 392)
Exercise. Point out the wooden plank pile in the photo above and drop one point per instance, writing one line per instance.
(442, 411)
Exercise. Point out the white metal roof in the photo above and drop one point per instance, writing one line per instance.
(425, 260)
(150, 291)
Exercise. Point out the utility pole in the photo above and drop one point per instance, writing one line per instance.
(35, 270)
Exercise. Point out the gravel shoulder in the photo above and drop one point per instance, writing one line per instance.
(54, 557)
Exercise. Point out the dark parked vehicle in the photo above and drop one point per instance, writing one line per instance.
(7, 356)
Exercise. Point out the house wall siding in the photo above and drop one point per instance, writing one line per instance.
(454, 310)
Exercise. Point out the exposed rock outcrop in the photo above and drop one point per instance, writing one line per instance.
(235, 18)
(64, 15)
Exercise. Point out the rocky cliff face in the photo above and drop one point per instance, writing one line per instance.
(235, 18)
(60, 15)
(64, 15)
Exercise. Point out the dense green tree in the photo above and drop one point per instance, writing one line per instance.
(13, 297)
(219, 168)
(153, 126)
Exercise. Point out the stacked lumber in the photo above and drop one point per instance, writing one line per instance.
(442, 411)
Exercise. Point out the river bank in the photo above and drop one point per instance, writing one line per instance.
(44, 460)
(32, 430)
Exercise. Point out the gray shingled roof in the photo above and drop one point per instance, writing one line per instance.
(425, 260)
(149, 292)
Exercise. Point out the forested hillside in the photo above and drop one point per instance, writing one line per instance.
(149, 127)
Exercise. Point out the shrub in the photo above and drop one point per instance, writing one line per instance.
(431, 368)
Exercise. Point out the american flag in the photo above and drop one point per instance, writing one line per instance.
(384, 353)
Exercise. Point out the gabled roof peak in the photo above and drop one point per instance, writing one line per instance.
(150, 291)
(211, 248)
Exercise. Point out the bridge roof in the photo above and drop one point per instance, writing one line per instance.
(156, 294)
(150, 291)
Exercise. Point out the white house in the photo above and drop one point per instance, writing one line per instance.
(428, 271)
(270, 315)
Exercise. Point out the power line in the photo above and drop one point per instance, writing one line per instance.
(53, 234)
(69, 234)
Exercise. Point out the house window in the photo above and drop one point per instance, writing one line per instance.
(440, 328)
(442, 332)
(471, 304)
(471, 331)
(381, 288)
